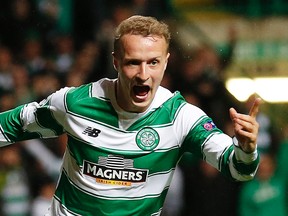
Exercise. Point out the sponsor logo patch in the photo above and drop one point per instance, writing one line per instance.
(114, 170)
(147, 139)
(209, 125)
(92, 132)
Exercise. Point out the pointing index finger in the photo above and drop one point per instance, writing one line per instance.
(255, 108)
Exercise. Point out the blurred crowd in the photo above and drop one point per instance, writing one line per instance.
(49, 44)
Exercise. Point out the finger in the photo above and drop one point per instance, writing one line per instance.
(255, 108)
(246, 118)
(245, 125)
(232, 113)
(233, 117)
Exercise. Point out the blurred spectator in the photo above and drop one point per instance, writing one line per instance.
(87, 62)
(174, 202)
(23, 91)
(49, 167)
(282, 168)
(266, 195)
(61, 57)
(87, 24)
(33, 56)
(48, 160)
(45, 84)
(7, 101)
(207, 192)
(191, 98)
(6, 62)
(201, 81)
(64, 53)
(15, 193)
(42, 201)
(58, 13)
(74, 78)
(20, 18)
(201, 76)
(105, 37)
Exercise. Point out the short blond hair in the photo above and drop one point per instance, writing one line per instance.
(141, 25)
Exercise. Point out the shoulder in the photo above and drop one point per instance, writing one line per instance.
(174, 104)
(161, 97)
(174, 100)
(185, 111)
(98, 89)
(80, 90)
(103, 88)
(88, 94)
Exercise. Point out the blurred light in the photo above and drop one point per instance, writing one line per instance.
(270, 89)
(241, 88)
(273, 90)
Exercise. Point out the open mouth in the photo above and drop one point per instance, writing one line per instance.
(141, 91)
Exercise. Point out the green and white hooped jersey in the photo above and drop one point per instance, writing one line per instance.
(120, 163)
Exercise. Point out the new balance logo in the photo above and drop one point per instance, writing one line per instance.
(93, 132)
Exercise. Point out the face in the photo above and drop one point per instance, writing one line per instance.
(266, 167)
(140, 65)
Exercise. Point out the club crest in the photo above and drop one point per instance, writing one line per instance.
(147, 139)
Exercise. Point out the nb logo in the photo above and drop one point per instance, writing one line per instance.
(92, 132)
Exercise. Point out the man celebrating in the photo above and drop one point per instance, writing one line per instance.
(126, 135)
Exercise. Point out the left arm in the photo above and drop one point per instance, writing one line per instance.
(221, 151)
(246, 127)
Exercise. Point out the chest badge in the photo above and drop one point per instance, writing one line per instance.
(147, 139)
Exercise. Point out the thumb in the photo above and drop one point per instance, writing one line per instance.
(232, 113)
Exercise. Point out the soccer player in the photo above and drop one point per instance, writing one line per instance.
(126, 135)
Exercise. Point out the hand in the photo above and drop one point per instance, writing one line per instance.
(246, 127)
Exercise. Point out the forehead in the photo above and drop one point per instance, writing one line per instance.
(142, 45)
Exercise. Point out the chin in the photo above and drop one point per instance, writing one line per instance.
(140, 106)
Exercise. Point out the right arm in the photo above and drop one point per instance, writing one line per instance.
(34, 120)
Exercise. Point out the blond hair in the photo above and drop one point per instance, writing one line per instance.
(141, 25)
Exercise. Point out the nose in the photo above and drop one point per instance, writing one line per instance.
(143, 71)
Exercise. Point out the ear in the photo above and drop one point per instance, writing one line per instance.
(167, 57)
(115, 62)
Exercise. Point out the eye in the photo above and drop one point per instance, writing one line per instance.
(154, 62)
